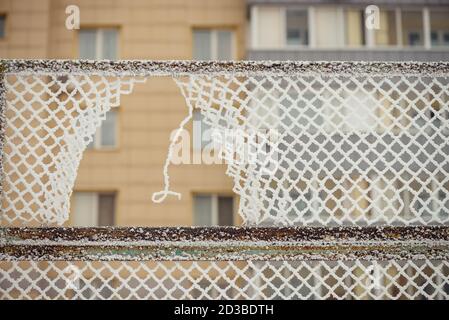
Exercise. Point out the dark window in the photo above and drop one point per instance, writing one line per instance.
(106, 209)
(414, 39)
(225, 211)
(446, 38)
(297, 27)
(2, 26)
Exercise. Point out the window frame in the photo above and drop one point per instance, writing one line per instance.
(420, 38)
(99, 34)
(214, 41)
(198, 143)
(96, 196)
(5, 26)
(432, 200)
(214, 205)
(440, 33)
(284, 37)
(315, 210)
(96, 145)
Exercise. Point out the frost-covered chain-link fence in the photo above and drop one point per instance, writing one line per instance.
(49, 121)
(344, 149)
(225, 280)
(307, 144)
(226, 263)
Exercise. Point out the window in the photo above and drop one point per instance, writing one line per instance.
(412, 28)
(202, 132)
(106, 135)
(416, 199)
(414, 38)
(213, 209)
(439, 26)
(426, 113)
(2, 26)
(440, 38)
(348, 110)
(428, 203)
(213, 44)
(386, 35)
(297, 201)
(355, 27)
(93, 208)
(100, 43)
(297, 27)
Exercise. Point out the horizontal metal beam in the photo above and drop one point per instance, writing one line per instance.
(360, 3)
(225, 243)
(189, 67)
(351, 54)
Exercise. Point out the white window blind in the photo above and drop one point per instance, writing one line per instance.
(329, 28)
(213, 44)
(93, 209)
(270, 28)
(99, 43)
(213, 209)
(106, 135)
(202, 132)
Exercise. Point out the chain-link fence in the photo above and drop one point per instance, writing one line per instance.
(225, 263)
(324, 145)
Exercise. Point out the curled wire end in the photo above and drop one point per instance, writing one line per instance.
(160, 196)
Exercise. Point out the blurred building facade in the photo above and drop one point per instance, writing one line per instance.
(407, 30)
(123, 165)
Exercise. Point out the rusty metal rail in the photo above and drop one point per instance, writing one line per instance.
(189, 67)
(224, 243)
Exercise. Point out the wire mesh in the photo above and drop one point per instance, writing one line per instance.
(354, 144)
(424, 279)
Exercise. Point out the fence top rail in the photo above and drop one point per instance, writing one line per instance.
(225, 243)
(242, 68)
(219, 234)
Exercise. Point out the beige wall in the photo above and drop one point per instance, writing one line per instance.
(27, 29)
(157, 29)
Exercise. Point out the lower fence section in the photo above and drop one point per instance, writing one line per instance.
(421, 279)
(225, 263)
